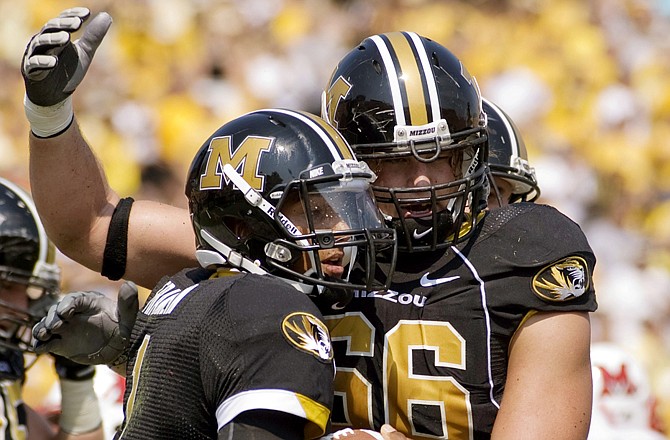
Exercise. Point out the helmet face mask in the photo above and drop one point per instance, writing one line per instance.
(508, 157)
(277, 191)
(328, 219)
(29, 277)
(402, 96)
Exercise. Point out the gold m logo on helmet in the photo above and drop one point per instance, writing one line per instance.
(337, 91)
(564, 280)
(245, 159)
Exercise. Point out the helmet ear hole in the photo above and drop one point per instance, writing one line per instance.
(236, 226)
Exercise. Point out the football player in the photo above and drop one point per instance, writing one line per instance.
(482, 302)
(236, 348)
(512, 176)
(487, 315)
(29, 284)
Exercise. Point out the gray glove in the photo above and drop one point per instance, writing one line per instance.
(88, 327)
(53, 66)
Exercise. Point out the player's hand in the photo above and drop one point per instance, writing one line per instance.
(53, 65)
(88, 327)
(390, 433)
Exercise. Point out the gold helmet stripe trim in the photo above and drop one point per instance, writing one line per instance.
(324, 131)
(392, 75)
(411, 77)
(340, 143)
(418, 82)
(428, 76)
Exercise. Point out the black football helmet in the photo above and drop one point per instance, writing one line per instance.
(400, 95)
(508, 158)
(26, 259)
(266, 192)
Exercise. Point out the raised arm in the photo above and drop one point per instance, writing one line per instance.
(68, 183)
(76, 204)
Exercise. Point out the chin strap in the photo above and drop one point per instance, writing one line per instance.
(225, 255)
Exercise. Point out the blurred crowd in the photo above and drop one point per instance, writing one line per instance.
(586, 81)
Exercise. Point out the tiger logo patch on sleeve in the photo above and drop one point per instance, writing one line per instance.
(308, 333)
(564, 280)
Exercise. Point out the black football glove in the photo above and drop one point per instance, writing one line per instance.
(53, 65)
(88, 327)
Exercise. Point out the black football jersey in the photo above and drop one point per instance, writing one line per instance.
(430, 355)
(205, 349)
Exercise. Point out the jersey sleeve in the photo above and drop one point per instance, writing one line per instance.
(264, 346)
(546, 260)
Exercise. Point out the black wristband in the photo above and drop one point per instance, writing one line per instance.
(116, 247)
(70, 370)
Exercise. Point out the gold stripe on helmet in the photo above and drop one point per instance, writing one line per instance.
(335, 136)
(410, 76)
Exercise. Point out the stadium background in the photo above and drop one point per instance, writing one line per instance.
(587, 81)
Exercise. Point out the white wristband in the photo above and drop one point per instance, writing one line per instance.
(80, 409)
(48, 121)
